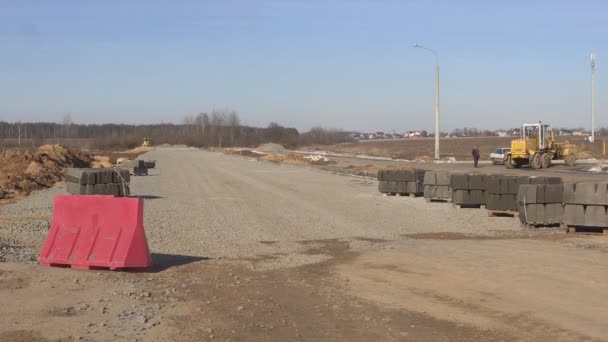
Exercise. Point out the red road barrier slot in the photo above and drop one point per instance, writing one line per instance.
(96, 232)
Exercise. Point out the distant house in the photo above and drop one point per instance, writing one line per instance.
(566, 132)
(501, 133)
(412, 134)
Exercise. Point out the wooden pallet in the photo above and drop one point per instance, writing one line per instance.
(467, 206)
(534, 225)
(588, 230)
(502, 213)
(401, 194)
(438, 200)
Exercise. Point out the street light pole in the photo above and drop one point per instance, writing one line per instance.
(437, 132)
(592, 96)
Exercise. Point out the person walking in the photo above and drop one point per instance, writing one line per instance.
(476, 155)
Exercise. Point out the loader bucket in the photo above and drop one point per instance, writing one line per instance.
(96, 232)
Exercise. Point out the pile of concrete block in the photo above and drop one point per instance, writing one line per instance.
(467, 189)
(401, 182)
(437, 186)
(585, 205)
(141, 169)
(114, 181)
(541, 204)
(501, 191)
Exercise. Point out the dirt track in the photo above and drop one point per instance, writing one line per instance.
(249, 250)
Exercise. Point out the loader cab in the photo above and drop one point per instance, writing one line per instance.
(536, 132)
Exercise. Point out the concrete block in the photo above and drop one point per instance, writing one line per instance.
(75, 188)
(443, 191)
(554, 180)
(430, 191)
(492, 184)
(443, 178)
(585, 193)
(533, 213)
(119, 175)
(380, 175)
(460, 196)
(554, 212)
(601, 193)
(401, 175)
(513, 185)
(536, 180)
(419, 175)
(477, 196)
(508, 202)
(493, 202)
(387, 186)
(569, 193)
(476, 181)
(90, 189)
(100, 189)
(527, 194)
(402, 187)
(430, 178)
(574, 214)
(459, 181)
(113, 189)
(415, 188)
(124, 190)
(150, 164)
(595, 216)
(553, 193)
(78, 176)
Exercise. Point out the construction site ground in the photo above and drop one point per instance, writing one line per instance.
(254, 250)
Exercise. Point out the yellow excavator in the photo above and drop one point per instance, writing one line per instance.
(537, 148)
(146, 142)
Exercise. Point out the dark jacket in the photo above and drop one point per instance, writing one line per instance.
(475, 153)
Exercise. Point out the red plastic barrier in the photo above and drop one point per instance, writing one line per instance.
(96, 232)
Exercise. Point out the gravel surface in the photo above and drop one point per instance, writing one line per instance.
(210, 205)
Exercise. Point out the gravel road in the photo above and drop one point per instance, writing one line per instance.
(210, 205)
(421, 272)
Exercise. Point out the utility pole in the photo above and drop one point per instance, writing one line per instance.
(593, 96)
(437, 132)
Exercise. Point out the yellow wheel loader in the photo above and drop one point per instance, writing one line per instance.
(537, 148)
(146, 142)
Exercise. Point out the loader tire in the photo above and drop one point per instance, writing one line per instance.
(536, 162)
(545, 160)
(570, 160)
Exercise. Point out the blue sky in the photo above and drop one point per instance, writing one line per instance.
(341, 64)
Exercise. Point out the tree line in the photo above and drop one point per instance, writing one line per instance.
(219, 128)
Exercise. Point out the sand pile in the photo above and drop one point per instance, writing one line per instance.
(22, 172)
(296, 159)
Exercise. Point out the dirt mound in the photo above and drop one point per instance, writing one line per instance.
(296, 159)
(140, 150)
(23, 171)
(271, 148)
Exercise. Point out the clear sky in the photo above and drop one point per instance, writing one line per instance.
(341, 64)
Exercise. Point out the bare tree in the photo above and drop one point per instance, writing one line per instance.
(67, 124)
(233, 123)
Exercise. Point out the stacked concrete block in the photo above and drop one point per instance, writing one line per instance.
(401, 181)
(437, 186)
(113, 181)
(141, 169)
(501, 191)
(541, 204)
(586, 204)
(467, 189)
